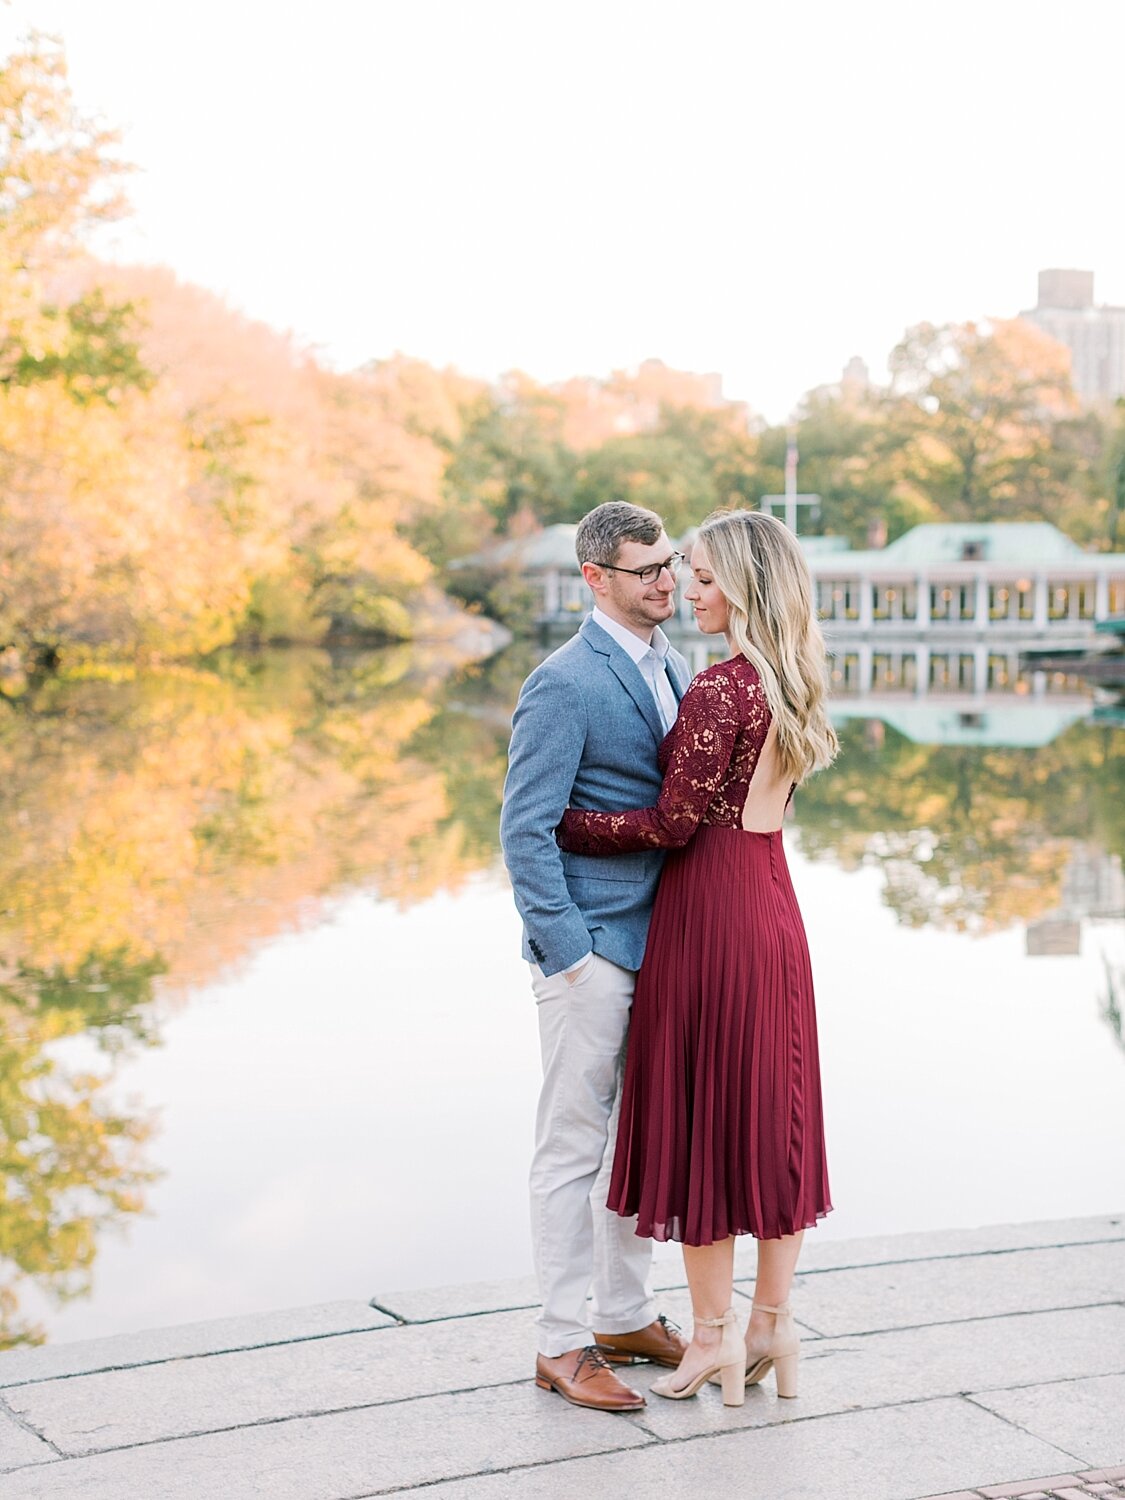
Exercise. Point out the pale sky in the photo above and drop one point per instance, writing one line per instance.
(567, 189)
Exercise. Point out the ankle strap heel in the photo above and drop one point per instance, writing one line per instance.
(727, 1317)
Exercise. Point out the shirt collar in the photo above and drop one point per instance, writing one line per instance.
(631, 643)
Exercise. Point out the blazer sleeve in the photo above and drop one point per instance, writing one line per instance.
(703, 741)
(548, 737)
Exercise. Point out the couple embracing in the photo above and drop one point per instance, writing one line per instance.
(642, 832)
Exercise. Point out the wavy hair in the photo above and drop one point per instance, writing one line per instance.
(760, 568)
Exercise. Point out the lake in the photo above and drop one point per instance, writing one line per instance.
(267, 1039)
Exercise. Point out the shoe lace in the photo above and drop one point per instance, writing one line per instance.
(668, 1325)
(593, 1357)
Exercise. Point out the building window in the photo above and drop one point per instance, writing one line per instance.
(1002, 672)
(894, 671)
(1117, 596)
(894, 601)
(573, 594)
(845, 674)
(952, 672)
(1001, 600)
(838, 599)
(953, 601)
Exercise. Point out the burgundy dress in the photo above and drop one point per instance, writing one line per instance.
(721, 1128)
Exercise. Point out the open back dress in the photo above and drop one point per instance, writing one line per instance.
(721, 1128)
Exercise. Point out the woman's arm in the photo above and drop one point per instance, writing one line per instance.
(703, 740)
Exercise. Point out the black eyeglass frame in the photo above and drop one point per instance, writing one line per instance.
(655, 569)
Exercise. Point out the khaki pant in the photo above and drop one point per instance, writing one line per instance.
(578, 1244)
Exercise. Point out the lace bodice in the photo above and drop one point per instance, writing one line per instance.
(707, 758)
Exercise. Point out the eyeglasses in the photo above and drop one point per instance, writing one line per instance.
(652, 572)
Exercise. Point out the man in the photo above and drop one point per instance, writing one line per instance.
(586, 732)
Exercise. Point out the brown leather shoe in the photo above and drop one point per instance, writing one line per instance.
(661, 1342)
(583, 1378)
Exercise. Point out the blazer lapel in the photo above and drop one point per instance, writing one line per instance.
(627, 673)
(678, 675)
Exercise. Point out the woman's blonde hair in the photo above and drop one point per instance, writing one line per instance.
(761, 570)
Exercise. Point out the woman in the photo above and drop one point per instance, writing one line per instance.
(721, 1131)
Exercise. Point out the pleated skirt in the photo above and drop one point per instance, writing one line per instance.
(721, 1129)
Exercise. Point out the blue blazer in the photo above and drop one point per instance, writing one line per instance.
(585, 734)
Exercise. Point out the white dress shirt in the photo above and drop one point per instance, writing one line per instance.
(651, 661)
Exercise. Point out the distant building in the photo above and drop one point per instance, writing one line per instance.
(1093, 888)
(854, 387)
(546, 560)
(1005, 578)
(1094, 335)
(948, 583)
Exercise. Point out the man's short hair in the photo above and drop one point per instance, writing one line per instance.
(601, 532)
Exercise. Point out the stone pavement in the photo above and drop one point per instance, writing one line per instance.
(933, 1364)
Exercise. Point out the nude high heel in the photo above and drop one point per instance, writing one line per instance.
(782, 1354)
(729, 1366)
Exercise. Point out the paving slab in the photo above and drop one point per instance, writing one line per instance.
(894, 1454)
(341, 1456)
(427, 1304)
(18, 1446)
(820, 1254)
(910, 1294)
(152, 1403)
(117, 1408)
(466, 1299)
(938, 1364)
(885, 1369)
(1086, 1417)
(249, 1331)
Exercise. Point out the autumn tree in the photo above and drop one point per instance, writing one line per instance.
(58, 177)
(977, 407)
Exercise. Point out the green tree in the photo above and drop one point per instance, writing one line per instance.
(510, 465)
(70, 1162)
(95, 353)
(1113, 478)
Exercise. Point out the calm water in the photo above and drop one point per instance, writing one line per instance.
(266, 1036)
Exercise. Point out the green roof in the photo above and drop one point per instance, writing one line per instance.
(1022, 542)
(1018, 543)
(1023, 724)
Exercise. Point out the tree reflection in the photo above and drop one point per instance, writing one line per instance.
(969, 838)
(72, 1162)
(164, 825)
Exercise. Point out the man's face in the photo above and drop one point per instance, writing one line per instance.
(636, 605)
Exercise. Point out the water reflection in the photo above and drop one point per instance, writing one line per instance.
(972, 838)
(167, 824)
(72, 1162)
(162, 827)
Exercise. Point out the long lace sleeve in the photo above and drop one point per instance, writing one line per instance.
(703, 740)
